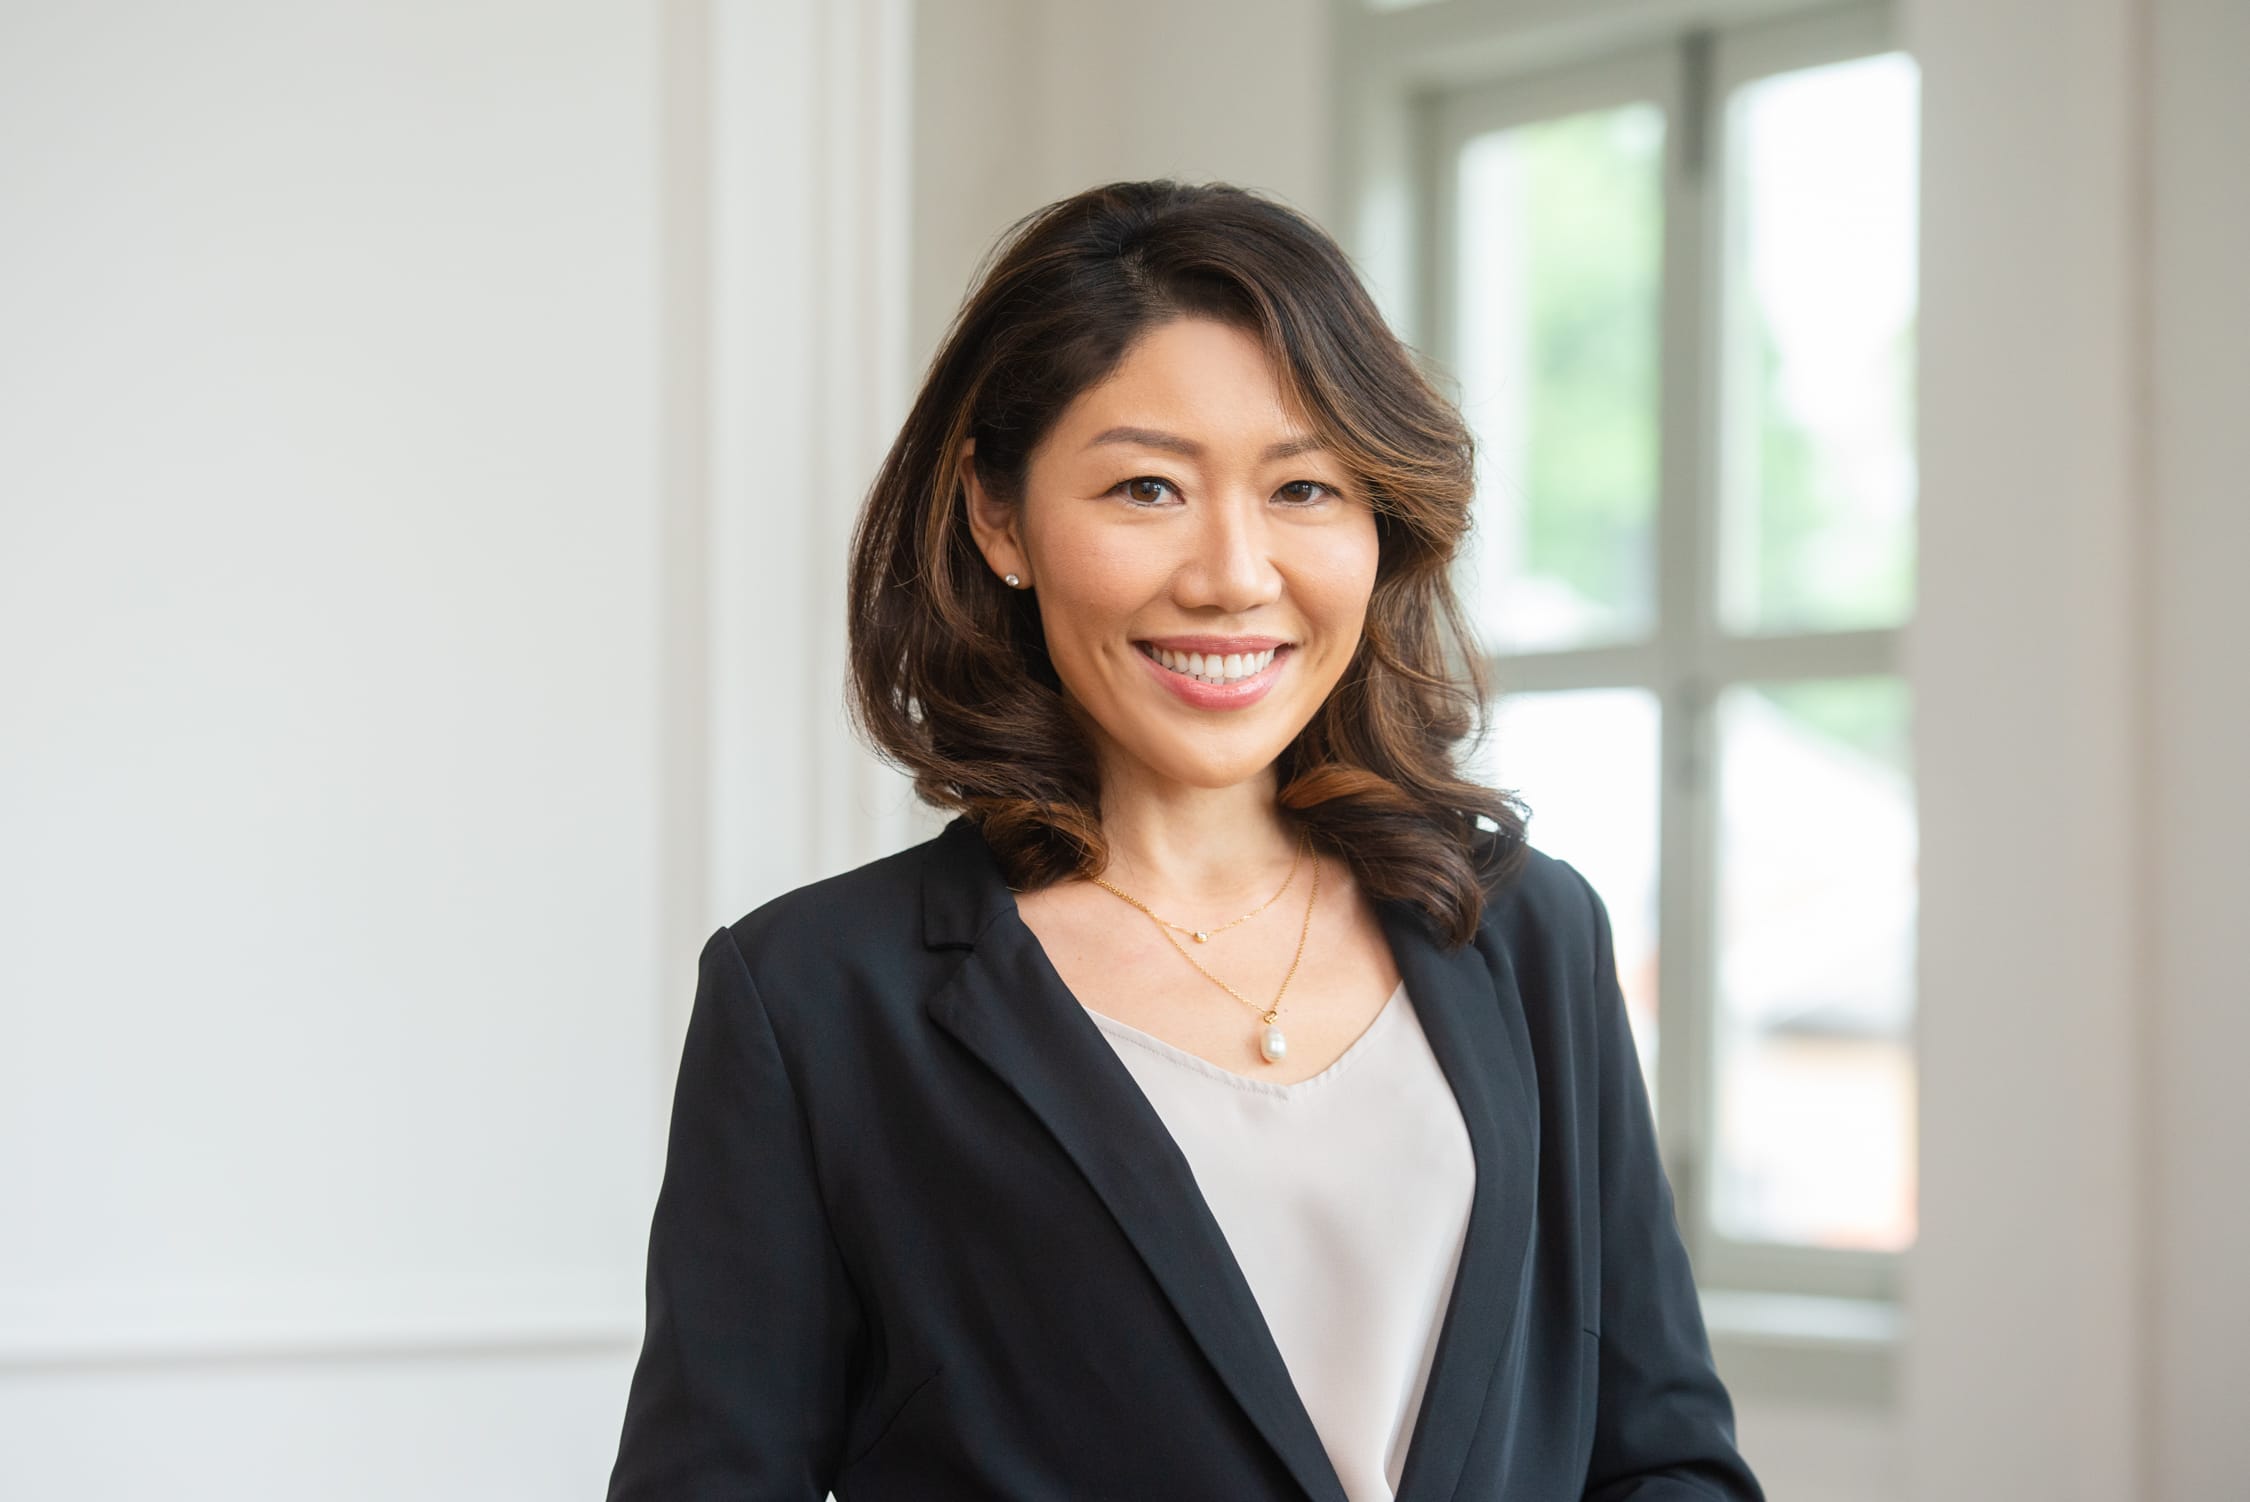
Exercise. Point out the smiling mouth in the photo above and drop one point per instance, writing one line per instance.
(1213, 669)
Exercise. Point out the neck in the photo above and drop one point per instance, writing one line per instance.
(1196, 847)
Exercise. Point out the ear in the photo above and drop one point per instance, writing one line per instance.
(996, 526)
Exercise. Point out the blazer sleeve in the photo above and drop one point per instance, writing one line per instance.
(742, 1389)
(1663, 1422)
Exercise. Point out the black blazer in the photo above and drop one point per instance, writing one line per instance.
(921, 1236)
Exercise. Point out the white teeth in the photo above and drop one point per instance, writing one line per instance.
(1214, 668)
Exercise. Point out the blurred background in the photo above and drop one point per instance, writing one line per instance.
(428, 440)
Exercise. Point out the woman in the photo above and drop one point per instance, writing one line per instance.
(1229, 1102)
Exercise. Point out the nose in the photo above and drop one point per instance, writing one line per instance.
(1230, 566)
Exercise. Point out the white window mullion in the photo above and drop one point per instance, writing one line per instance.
(1688, 395)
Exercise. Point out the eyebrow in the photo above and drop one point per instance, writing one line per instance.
(1288, 448)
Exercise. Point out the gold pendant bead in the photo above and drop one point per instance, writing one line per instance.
(1202, 938)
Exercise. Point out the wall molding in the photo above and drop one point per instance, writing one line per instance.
(104, 1326)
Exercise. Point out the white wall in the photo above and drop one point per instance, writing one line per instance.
(418, 425)
(2024, 1374)
(2081, 1317)
(1018, 103)
(2197, 720)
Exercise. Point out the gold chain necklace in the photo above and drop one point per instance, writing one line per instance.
(1203, 935)
(1273, 1045)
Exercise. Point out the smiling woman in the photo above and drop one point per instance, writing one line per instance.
(977, 1186)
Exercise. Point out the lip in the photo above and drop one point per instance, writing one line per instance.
(1219, 644)
(1240, 694)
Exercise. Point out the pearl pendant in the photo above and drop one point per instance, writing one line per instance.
(1273, 1045)
(1202, 938)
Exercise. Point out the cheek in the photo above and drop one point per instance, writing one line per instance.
(1337, 585)
(1093, 576)
(1087, 591)
(1094, 554)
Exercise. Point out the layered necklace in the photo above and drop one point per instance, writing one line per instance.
(1273, 1045)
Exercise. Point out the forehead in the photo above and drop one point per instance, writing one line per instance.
(1199, 384)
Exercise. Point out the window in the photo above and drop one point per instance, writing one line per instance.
(1674, 287)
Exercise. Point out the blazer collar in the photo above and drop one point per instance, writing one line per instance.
(1012, 1009)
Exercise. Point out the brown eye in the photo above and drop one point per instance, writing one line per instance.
(1132, 490)
(1320, 492)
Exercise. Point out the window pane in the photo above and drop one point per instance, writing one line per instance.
(1585, 761)
(1818, 497)
(1559, 254)
(1816, 934)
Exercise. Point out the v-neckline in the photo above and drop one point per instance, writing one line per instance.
(1294, 1090)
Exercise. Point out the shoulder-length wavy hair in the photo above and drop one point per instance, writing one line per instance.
(950, 677)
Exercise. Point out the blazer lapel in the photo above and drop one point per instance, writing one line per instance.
(1010, 1007)
(1470, 1010)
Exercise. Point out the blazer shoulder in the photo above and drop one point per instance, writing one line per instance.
(868, 915)
(1545, 891)
(1545, 918)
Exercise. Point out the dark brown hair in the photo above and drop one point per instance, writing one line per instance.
(950, 678)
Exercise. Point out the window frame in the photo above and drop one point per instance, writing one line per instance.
(1414, 85)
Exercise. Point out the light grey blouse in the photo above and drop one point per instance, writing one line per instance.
(1345, 1198)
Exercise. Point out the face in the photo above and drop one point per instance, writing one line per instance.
(1178, 517)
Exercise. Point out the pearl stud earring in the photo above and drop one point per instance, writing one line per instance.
(1013, 581)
